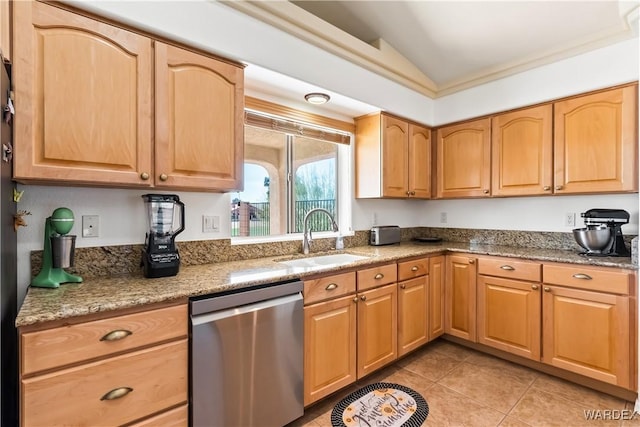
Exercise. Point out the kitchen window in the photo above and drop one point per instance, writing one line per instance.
(291, 167)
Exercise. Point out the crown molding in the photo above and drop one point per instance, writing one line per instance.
(381, 58)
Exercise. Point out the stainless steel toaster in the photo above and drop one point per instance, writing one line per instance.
(384, 235)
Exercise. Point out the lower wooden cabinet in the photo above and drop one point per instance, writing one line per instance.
(436, 296)
(329, 347)
(587, 333)
(106, 371)
(508, 307)
(377, 328)
(460, 297)
(577, 318)
(413, 320)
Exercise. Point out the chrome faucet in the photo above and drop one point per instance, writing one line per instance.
(306, 235)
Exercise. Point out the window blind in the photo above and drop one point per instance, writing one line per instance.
(267, 121)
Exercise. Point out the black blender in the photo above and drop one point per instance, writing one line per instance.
(160, 256)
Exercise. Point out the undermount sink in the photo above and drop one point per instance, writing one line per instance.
(324, 260)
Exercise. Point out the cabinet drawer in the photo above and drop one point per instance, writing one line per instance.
(377, 276)
(329, 287)
(66, 345)
(510, 268)
(589, 278)
(157, 377)
(177, 417)
(410, 269)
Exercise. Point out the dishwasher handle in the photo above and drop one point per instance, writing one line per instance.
(243, 296)
(249, 308)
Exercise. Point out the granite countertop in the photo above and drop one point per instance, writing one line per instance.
(111, 293)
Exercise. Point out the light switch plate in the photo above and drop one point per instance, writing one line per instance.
(90, 226)
(210, 223)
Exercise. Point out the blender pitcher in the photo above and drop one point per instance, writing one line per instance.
(160, 256)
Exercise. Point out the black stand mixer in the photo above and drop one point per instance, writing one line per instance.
(602, 235)
(160, 256)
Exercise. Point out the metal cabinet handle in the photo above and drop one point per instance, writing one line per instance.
(414, 268)
(547, 289)
(330, 287)
(117, 393)
(403, 286)
(144, 176)
(534, 287)
(164, 177)
(379, 276)
(582, 276)
(546, 188)
(472, 261)
(116, 335)
(355, 299)
(363, 297)
(558, 187)
(485, 191)
(408, 193)
(507, 267)
(413, 193)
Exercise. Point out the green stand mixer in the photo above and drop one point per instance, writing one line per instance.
(58, 251)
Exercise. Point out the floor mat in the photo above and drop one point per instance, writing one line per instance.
(381, 404)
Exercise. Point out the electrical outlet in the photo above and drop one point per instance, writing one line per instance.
(443, 217)
(210, 223)
(90, 226)
(570, 219)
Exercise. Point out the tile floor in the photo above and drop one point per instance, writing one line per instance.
(464, 387)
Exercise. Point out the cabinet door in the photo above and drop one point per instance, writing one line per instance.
(509, 315)
(587, 333)
(419, 162)
(464, 160)
(5, 29)
(395, 158)
(436, 296)
(377, 328)
(329, 347)
(522, 152)
(83, 99)
(460, 297)
(413, 301)
(199, 137)
(596, 142)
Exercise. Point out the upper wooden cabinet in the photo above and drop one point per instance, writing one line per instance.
(393, 158)
(464, 160)
(85, 94)
(596, 142)
(521, 152)
(83, 99)
(199, 136)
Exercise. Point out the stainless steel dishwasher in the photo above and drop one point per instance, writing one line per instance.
(247, 357)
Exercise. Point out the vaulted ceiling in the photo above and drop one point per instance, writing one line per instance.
(440, 47)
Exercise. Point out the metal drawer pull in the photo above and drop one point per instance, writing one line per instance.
(507, 267)
(363, 297)
(534, 287)
(379, 276)
(117, 393)
(116, 335)
(355, 299)
(414, 268)
(546, 289)
(582, 276)
(403, 286)
(330, 287)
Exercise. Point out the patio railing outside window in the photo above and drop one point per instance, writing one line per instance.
(252, 218)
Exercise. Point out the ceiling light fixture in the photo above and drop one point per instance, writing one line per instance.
(317, 98)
